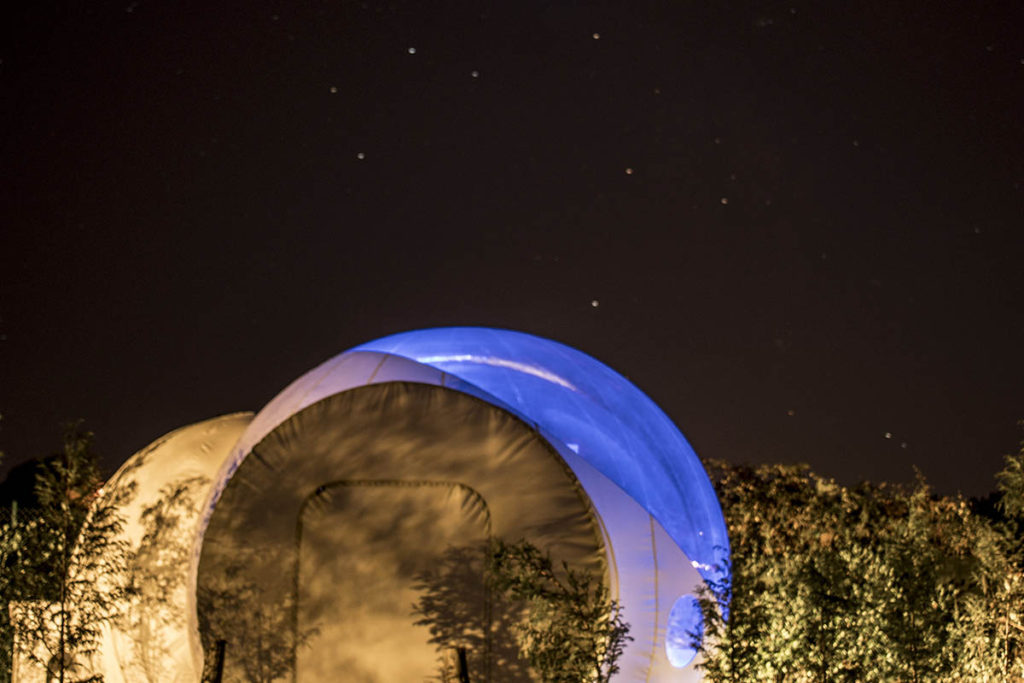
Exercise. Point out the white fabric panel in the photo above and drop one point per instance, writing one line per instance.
(650, 572)
(171, 477)
(676, 577)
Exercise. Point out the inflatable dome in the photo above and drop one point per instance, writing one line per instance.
(334, 535)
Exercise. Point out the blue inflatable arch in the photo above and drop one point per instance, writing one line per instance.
(591, 410)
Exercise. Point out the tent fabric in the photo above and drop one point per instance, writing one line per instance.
(368, 575)
(386, 478)
(163, 488)
(289, 522)
(653, 576)
(581, 401)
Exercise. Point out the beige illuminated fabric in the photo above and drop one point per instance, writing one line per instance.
(349, 513)
(357, 588)
(164, 486)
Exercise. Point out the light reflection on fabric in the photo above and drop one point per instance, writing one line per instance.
(578, 400)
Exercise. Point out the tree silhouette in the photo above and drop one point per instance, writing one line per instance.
(461, 612)
(155, 579)
(572, 631)
(517, 616)
(74, 561)
(256, 631)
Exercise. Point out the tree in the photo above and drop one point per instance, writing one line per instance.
(512, 615)
(71, 562)
(994, 619)
(255, 629)
(929, 561)
(464, 614)
(572, 631)
(1010, 484)
(779, 611)
(829, 583)
(989, 618)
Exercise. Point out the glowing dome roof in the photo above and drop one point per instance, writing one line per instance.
(595, 412)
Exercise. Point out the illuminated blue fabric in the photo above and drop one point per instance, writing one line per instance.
(594, 411)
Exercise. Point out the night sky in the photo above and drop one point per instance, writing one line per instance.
(798, 227)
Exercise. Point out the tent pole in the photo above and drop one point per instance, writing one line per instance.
(463, 666)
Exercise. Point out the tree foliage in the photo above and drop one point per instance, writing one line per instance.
(515, 616)
(462, 612)
(572, 631)
(64, 565)
(1010, 483)
(155, 582)
(869, 583)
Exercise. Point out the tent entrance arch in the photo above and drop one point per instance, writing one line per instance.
(367, 549)
(319, 546)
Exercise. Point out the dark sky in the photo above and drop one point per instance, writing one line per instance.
(801, 222)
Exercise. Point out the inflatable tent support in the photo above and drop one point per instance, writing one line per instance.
(660, 526)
